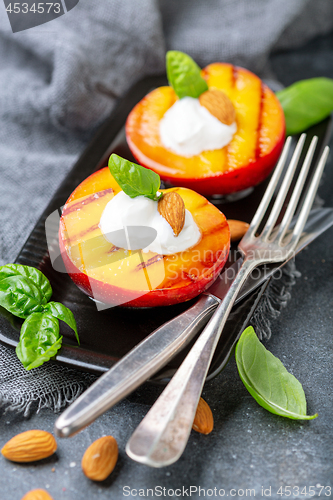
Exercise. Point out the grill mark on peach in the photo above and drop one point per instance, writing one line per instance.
(201, 205)
(72, 207)
(261, 108)
(87, 231)
(216, 229)
(113, 249)
(80, 236)
(149, 262)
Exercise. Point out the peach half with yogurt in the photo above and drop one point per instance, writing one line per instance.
(249, 111)
(137, 278)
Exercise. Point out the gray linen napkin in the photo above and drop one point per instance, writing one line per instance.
(60, 80)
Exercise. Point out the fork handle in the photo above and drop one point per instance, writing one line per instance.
(161, 437)
(136, 367)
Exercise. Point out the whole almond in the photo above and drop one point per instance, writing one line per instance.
(171, 206)
(219, 105)
(29, 446)
(203, 420)
(100, 458)
(37, 495)
(237, 229)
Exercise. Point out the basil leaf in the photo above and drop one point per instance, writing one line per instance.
(20, 296)
(134, 179)
(32, 273)
(62, 312)
(39, 340)
(267, 380)
(306, 103)
(184, 75)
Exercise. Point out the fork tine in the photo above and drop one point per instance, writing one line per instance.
(161, 437)
(302, 218)
(270, 190)
(275, 212)
(297, 191)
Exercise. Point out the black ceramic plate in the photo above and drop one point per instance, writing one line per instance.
(108, 335)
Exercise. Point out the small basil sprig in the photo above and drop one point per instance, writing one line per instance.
(134, 179)
(39, 340)
(24, 292)
(306, 103)
(31, 273)
(267, 380)
(62, 312)
(184, 75)
(20, 296)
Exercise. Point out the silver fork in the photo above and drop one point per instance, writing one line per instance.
(161, 437)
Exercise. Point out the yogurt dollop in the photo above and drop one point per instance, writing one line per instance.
(123, 211)
(188, 129)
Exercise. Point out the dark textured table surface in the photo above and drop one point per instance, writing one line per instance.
(249, 448)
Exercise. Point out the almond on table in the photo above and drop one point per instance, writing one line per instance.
(37, 495)
(30, 446)
(237, 229)
(100, 458)
(203, 420)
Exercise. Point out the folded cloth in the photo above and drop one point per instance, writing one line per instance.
(243, 32)
(60, 80)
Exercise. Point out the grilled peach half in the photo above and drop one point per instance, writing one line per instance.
(244, 162)
(116, 276)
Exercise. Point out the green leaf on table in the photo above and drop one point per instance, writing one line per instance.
(28, 272)
(134, 179)
(306, 103)
(24, 292)
(62, 312)
(267, 380)
(39, 340)
(20, 296)
(184, 75)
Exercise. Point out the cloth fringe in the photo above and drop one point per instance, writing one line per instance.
(55, 401)
(50, 386)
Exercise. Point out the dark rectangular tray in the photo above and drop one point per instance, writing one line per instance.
(108, 335)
